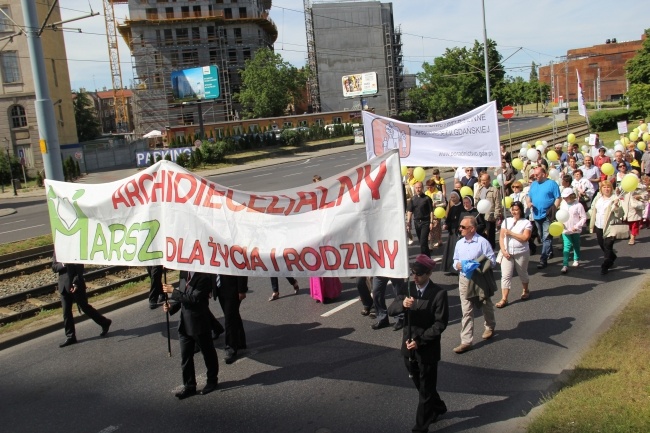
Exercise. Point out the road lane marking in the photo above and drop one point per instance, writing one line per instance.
(109, 429)
(313, 165)
(293, 174)
(24, 228)
(341, 165)
(265, 174)
(13, 222)
(339, 308)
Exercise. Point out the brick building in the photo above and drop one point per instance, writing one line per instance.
(606, 59)
(104, 102)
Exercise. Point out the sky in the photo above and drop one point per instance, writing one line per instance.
(525, 31)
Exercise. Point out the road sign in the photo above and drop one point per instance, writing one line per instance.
(78, 155)
(507, 112)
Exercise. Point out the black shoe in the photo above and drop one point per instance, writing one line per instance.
(197, 348)
(105, 328)
(185, 392)
(398, 325)
(542, 265)
(373, 313)
(215, 334)
(380, 324)
(153, 306)
(365, 311)
(161, 299)
(604, 271)
(68, 342)
(209, 387)
(231, 356)
(533, 249)
(551, 255)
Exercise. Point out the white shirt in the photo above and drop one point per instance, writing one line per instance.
(513, 246)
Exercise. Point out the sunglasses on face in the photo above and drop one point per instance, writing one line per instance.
(516, 187)
(463, 227)
(622, 166)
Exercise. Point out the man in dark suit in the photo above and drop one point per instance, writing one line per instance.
(427, 314)
(231, 290)
(72, 288)
(192, 297)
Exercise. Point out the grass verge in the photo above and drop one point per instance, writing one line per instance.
(609, 390)
(14, 247)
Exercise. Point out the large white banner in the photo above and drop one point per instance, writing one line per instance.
(348, 225)
(469, 140)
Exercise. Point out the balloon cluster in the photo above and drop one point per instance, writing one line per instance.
(418, 173)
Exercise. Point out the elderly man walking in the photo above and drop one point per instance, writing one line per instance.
(543, 197)
(470, 247)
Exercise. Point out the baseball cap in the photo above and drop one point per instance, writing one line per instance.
(566, 192)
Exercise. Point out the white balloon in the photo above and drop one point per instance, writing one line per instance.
(562, 216)
(586, 139)
(610, 153)
(585, 148)
(545, 143)
(525, 145)
(522, 153)
(500, 179)
(554, 174)
(532, 154)
(619, 148)
(617, 142)
(539, 147)
(484, 206)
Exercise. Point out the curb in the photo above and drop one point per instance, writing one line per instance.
(7, 211)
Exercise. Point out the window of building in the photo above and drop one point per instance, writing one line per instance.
(54, 75)
(218, 132)
(5, 23)
(219, 2)
(247, 54)
(18, 117)
(224, 35)
(212, 33)
(196, 10)
(169, 13)
(142, 40)
(253, 127)
(185, 11)
(237, 130)
(157, 81)
(158, 38)
(152, 13)
(190, 57)
(238, 38)
(287, 124)
(319, 122)
(173, 56)
(242, 13)
(182, 36)
(10, 67)
(232, 57)
(227, 12)
(60, 114)
(196, 34)
(304, 123)
(169, 38)
(336, 120)
(233, 1)
(213, 57)
(210, 13)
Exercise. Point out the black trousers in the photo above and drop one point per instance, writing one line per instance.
(490, 232)
(607, 245)
(155, 277)
(229, 301)
(80, 297)
(430, 406)
(422, 229)
(364, 292)
(274, 283)
(204, 341)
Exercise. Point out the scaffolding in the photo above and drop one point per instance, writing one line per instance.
(394, 68)
(312, 83)
(163, 40)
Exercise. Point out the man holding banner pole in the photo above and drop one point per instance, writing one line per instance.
(420, 209)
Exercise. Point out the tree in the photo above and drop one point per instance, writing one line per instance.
(455, 82)
(638, 73)
(88, 127)
(269, 85)
(639, 97)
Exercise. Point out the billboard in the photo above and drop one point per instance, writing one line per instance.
(359, 84)
(195, 84)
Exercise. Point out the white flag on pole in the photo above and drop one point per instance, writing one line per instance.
(582, 110)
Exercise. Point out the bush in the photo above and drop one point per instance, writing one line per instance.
(213, 153)
(40, 181)
(292, 138)
(605, 120)
(183, 160)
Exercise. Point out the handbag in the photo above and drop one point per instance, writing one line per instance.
(619, 231)
(499, 258)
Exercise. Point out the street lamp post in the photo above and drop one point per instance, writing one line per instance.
(11, 173)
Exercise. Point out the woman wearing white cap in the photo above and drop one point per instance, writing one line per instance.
(572, 227)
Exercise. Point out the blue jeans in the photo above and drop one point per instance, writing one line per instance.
(379, 285)
(547, 239)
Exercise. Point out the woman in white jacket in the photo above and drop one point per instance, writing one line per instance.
(572, 228)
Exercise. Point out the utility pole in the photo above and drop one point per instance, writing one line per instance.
(485, 56)
(48, 134)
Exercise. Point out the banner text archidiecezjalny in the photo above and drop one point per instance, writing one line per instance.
(468, 140)
(348, 225)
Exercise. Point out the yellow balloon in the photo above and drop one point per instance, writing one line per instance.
(634, 136)
(643, 127)
(556, 228)
(625, 141)
(641, 145)
(551, 155)
(517, 163)
(629, 182)
(607, 168)
(507, 202)
(419, 174)
(404, 169)
(465, 191)
(538, 143)
(571, 138)
(646, 136)
(439, 212)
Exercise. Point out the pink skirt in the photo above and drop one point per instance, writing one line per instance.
(324, 288)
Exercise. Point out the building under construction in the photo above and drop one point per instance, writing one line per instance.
(167, 36)
(350, 38)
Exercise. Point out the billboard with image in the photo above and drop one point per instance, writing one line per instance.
(359, 84)
(194, 84)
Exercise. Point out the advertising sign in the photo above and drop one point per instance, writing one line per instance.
(147, 157)
(622, 127)
(359, 84)
(195, 84)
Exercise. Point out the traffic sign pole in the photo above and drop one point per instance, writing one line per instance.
(507, 112)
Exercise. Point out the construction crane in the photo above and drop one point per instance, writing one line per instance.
(314, 91)
(119, 99)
